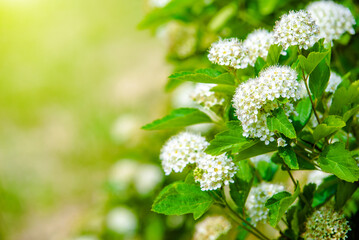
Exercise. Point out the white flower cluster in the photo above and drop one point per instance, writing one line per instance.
(229, 52)
(211, 228)
(317, 177)
(296, 28)
(258, 43)
(333, 82)
(203, 96)
(332, 19)
(326, 224)
(214, 171)
(159, 3)
(257, 198)
(256, 98)
(180, 150)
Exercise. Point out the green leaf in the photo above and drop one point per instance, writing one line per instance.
(279, 204)
(273, 54)
(239, 190)
(311, 62)
(325, 190)
(319, 78)
(344, 98)
(222, 16)
(344, 192)
(258, 66)
(181, 198)
(267, 170)
(304, 110)
(338, 160)
(329, 126)
(230, 140)
(180, 117)
(267, 6)
(279, 121)
(206, 75)
(350, 113)
(289, 157)
(258, 148)
(224, 89)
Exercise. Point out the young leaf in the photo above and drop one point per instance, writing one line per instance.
(311, 62)
(338, 160)
(289, 157)
(230, 140)
(329, 126)
(304, 110)
(319, 78)
(279, 121)
(181, 198)
(279, 204)
(273, 54)
(180, 117)
(206, 75)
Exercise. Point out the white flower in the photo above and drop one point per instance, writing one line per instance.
(333, 83)
(326, 224)
(123, 173)
(257, 198)
(180, 150)
(229, 52)
(332, 19)
(317, 177)
(159, 3)
(122, 220)
(256, 98)
(296, 29)
(203, 96)
(281, 142)
(181, 96)
(125, 128)
(148, 176)
(211, 228)
(213, 172)
(258, 43)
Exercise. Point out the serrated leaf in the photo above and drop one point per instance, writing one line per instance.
(304, 110)
(278, 204)
(230, 140)
(289, 157)
(311, 62)
(206, 75)
(273, 54)
(181, 198)
(278, 121)
(329, 126)
(180, 117)
(337, 160)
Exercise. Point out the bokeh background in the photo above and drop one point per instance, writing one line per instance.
(68, 71)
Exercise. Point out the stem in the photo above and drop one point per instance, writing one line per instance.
(310, 96)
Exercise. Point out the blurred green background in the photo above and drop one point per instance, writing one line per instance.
(68, 70)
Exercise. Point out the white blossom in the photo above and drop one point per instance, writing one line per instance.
(230, 52)
(258, 43)
(213, 172)
(180, 150)
(327, 224)
(333, 82)
(122, 220)
(203, 96)
(148, 176)
(256, 98)
(211, 228)
(257, 198)
(281, 142)
(296, 29)
(317, 177)
(332, 19)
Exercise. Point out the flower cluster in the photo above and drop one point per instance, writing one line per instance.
(256, 98)
(180, 150)
(296, 29)
(214, 171)
(229, 52)
(332, 19)
(258, 43)
(211, 228)
(203, 95)
(257, 198)
(326, 223)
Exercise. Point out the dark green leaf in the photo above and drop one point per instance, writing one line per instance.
(319, 78)
(181, 198)
(325, 191)
(278, 121)
(267, 170)
(329, 126)
(304, 110)
(289, 157)
(338, 160)
(206, 75)
(311, 62)
(257, 149)
(344, 192)
(344, 98)
(258, 66)
(350, 113)
(180, 117)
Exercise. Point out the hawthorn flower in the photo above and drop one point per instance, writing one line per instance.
(325, 223)
(256, 98)
(332, 19)
(211, 228)
(212, 172)
(203, 96)
(180, 150)
(258, 43)
(281, 142)
(333, 82)
(296, 29)
(229, 52)
(257, 198)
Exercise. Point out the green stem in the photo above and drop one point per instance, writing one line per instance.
(310, 96)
